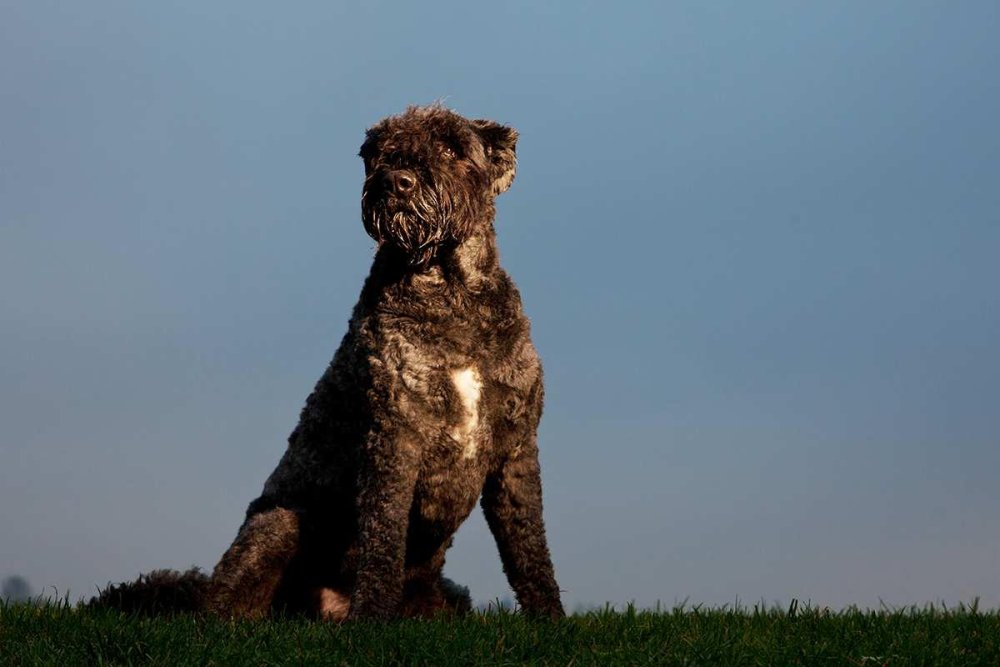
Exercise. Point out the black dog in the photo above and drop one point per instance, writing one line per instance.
(430, 403)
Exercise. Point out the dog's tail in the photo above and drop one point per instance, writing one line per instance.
(159, 593)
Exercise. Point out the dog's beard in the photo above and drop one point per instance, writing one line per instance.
(417, 225)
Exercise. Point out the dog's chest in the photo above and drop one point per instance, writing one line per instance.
(452, 469)
(455, 414)
(445, 392)
(468, 387)
(456, 380)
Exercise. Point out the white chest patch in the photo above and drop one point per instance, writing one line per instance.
(468, 386)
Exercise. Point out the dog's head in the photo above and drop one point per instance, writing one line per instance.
(431, 177)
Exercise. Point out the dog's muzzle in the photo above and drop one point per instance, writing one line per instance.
(396, 209)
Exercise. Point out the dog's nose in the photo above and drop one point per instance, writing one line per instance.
(400, 182)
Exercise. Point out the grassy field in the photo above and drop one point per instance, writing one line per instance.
(61, 635)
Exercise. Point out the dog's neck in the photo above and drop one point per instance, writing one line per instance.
(473, 261)
(469, 264)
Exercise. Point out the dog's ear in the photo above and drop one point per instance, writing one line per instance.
(369, 147)
(499, 142)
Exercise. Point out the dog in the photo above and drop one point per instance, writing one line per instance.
(430, 404)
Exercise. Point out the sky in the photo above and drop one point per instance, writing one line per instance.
(757, 242)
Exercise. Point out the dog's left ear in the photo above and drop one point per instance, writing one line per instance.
(499, 141)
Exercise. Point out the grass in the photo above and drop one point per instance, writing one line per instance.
(59, 634)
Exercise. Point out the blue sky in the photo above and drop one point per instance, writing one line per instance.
(758, 243)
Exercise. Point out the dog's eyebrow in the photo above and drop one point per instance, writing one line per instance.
(451, 142)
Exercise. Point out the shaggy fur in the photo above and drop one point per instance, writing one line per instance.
(430, 404)
(159, 592)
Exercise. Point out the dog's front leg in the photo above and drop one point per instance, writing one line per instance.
(512, 504)
(389, 466)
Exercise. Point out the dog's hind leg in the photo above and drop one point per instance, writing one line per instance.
(246, 578)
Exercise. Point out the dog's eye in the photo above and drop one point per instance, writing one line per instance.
(448, 152)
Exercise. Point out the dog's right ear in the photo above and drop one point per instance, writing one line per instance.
(499, 142)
